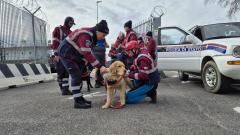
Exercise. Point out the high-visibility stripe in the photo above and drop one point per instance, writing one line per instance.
(86, 49)
(55, 39)
(74, 45)
(65, 84)
(77, 95)
(153, 65)
(73, 37)
(71, 41)
(129, 36)
(75, 87)
(148, 71)
(65, 79)
(136, 76)
(95, 63)
(61, 33)
(149, 57)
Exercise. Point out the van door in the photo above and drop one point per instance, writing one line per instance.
(178, 50)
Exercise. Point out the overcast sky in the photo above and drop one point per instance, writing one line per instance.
(184, 13)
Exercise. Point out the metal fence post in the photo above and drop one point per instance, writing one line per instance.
(33, 28)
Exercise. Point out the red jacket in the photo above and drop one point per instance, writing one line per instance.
(113, 51)
(141, 44)
(144, 65)
(151, 46)
(130, 36)
(58, 35)
(82, 41)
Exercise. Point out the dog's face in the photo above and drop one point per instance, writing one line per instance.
(117, 68)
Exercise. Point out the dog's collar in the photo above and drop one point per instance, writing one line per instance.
(119, 80)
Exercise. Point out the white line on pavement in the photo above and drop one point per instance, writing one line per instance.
(185, 82)
(94, 94)
(70, 98)
(237, 109)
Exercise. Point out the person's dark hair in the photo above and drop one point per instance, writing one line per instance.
(149, 33)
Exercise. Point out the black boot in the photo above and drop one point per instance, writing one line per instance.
(153, 95)
(88, 102)
(97, 84)
(80, 103)
(66, 92)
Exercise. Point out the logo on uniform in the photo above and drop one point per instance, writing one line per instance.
(88, 43)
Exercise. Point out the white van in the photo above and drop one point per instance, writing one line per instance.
(211, 51)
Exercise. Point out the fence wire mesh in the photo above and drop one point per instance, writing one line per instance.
(16, 36)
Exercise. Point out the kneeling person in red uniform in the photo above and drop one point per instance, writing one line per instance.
(144, 72)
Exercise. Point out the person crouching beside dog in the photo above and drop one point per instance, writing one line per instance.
(144, 72)
(74, 50)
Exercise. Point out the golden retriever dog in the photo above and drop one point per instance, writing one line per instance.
(115, 80)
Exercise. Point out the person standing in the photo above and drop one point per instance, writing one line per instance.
(99, 51)
(130, 36)
(58, 35)
(117, 49)
(151, 45)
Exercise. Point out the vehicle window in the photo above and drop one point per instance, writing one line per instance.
(172, 36)
(226, 30)
(198, 33)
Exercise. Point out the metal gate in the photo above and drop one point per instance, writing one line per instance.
(16, 36)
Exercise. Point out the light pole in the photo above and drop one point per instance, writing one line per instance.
(97, 2)
(33, 28)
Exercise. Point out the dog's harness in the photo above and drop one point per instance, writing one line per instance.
(111, 83)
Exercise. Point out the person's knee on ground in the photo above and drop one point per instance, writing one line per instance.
(133, 96)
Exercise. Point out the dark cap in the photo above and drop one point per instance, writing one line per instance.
(102, 27)
(128, 24)
(69, 19)
(149, 33)
(140, 38)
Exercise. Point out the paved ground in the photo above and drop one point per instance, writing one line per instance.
(182, 109)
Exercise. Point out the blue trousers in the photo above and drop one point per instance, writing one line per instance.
(75, 70)
(135, 95)
(62, 76)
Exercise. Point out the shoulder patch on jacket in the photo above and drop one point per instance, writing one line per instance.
(88, 43)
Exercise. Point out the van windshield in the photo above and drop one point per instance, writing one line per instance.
(224, 30)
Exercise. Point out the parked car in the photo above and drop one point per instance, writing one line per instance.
(210, 51)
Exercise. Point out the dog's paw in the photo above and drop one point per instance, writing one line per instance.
(105, 106)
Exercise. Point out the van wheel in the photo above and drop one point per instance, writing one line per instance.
(213, 80)
(183, 76)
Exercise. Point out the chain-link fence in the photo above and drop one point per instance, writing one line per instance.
(16, 36)
(150, 24)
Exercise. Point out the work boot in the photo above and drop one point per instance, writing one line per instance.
(66, 92)
(80, 103)
(153, 95)
(97, 84)
(88, 102)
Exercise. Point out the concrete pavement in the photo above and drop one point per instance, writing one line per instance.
(182, 109)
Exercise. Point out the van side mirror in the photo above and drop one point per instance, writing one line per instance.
(191, 39)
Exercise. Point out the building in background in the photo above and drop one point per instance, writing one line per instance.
(16, 36)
